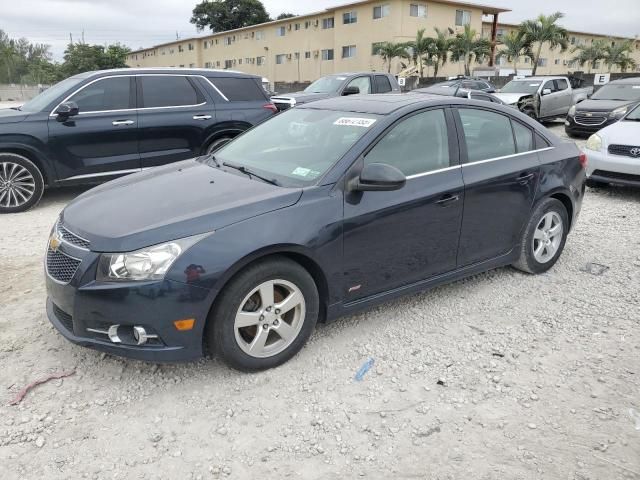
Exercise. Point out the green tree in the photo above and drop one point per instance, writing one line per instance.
(467, 47)
(24, 62)
(616, 54)
(221, 15)
(421, 50)
(590, 53)
(516, 45)
(544, 29)
(440, 49)
(390, 50)
(82, 57)
(282, 16)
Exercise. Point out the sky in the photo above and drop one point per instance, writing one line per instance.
(144, 23)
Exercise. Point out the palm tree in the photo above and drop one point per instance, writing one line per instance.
(390, 50)
(440, 49)
(421, 50)
(544, 29)
(616, 54)
(467, 47)
(590, 53)
(516, 45)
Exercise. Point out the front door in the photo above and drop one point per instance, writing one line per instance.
(397, 238)
(557, 102)
(102, 140)
(501, 172)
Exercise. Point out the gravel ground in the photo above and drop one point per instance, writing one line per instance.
(499, 376)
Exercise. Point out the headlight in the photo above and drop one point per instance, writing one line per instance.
(150, 263)
(594, 142)
(618, 112)
(572, 111)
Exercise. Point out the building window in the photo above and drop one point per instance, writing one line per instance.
(349, 18)
(556, 61)
(573, 40)
(542, 62)
(192, 65)
(596, 65)
(327, 54)
(296, 55)
(208, 65)
(227, 40)
(463, 17)
(259, 35)
(349, 51)
(375, 47)
(307, 54)
(205, 44)
(239, 61)
(307, 24)
(527, 60)
(280, 59)
(190, 46)
(327, 23)
(381, 11)
(296, 26)
(418, 10)
(260, 61)
(280, 32)
(228, 64)
(180, 48)
(500, 33)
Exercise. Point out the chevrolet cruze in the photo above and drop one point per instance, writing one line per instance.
(324, 210)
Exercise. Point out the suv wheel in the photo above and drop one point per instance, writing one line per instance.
(216, 144)
(264, 316)
(21, 183)
(544, 237)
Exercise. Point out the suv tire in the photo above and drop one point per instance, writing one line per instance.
(21, 183)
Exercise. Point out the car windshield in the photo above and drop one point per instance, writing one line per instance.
(326, 84)
(634, 115)
(617, 91)
(40, 102)
(521, 86)
(298, 146)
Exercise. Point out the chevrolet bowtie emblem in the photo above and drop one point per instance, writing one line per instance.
(54, 241)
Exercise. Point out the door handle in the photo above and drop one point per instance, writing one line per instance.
(202, 117)
(447, 200)
(524, 178)
(117, 123)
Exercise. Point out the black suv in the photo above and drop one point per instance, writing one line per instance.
(96, 126)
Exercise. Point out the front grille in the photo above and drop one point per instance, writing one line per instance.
(72, 238)
(590, 119)
(65, 319)
(61, 267)
(625, 150)
(616, 175)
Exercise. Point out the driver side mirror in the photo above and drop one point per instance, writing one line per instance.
(378, 177)
(67, 109)
(546, 91)
(351, 91)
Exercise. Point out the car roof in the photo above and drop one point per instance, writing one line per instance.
(207, 72)
(627, 81)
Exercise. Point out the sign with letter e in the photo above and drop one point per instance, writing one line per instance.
(601, 78)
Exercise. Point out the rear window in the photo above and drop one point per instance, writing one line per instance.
(382, 84)
(169, 91)
(239, 89)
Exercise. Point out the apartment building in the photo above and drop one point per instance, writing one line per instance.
(553, 61)
(338, 39)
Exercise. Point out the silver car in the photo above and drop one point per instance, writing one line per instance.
(613, 154)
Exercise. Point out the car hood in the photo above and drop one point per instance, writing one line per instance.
(592, 105)
(10, 115)
(166, 203)
(511, 98)
(302, 97)
(622, 132)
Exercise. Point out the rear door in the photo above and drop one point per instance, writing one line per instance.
(382, 84)
(174, 117)
(241, 102)
(501, 172)
(564, 96)
(553, 104)
(102, 140)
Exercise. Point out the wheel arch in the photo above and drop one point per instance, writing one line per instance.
(225, 129)
(32, 155)
(565, 199)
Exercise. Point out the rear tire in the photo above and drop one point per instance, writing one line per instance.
(544, 237)
(264, 316)
(21, 183)
(531, 113)
(216, 144)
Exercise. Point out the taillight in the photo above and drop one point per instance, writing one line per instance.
(583, 159)
(271, 106)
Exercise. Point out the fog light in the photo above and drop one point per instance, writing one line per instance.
(141, 336)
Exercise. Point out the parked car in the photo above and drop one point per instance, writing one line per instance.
(544, 98)
(467, 83)
(340, 84)
(459, 92)
(100, 125)
(322, 211)
(613, 154)
(606, 106)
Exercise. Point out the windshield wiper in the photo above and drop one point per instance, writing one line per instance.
(250, 173)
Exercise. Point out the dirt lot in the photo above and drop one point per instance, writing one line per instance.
(500, 376)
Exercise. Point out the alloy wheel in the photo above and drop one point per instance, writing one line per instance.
(269, 318)
(547, 237)
(17, 185)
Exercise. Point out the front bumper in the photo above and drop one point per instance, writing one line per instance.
(574, 128)
(607, 168)
(83, 310)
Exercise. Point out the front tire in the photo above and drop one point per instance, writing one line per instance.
(21, 183)
(544, 237)
(264, 316)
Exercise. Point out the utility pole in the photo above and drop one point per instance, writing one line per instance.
(82, 35)
(70, 38)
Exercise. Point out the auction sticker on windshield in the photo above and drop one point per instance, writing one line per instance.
(305, 172)
(355, 122)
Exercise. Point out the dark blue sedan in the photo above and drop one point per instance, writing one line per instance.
(324, 210)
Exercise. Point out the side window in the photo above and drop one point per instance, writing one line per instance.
(487, 134)
(363, 83)
(550, 85)
(417, 144)
(541, 142)
(168, 91)
(469, 85)
(382, 84)
(239, 89)
(561, 84)
(524, 137)
(107, 94)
